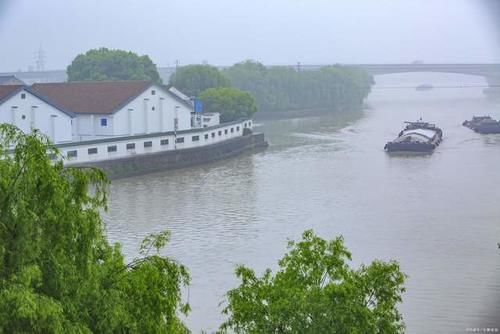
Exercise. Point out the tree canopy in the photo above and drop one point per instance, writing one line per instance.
(106, 64)
(231, 103)
(192, 80)
(315, 291)
(58, 273)
(281, 88)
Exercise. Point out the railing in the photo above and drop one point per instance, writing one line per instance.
(120, 147)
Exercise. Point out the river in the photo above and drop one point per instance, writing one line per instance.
(438, 215)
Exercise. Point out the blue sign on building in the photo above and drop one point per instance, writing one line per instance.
(198, 106)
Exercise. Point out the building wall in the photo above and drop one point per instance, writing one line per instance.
(147, 113)
(115, 148)
(210, 119)
(31, 112)
(94, 126)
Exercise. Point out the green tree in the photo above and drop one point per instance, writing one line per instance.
(315, 291)
(282, 88)
(106, 64)
(194, 79)
(58, 273)
(231, 103)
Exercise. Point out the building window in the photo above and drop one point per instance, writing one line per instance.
(225, 131)
(23, 117)
(232, 130)
(206, 136)
(131, 146)
(245, 125)
(249, 123)
(52, 156)
(213, 134)
(220, 133)
(195, 138)
(164, 142)
(237, 128)
(112, 148)
(72, 154)
(153, 108)
(179, 140)
(92, 150)
(206, 119)
(23, 96)
(104, 122)
(153, 92)
(148, 144)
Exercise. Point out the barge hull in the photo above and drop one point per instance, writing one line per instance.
(409, 147)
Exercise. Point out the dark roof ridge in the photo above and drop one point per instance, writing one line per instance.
(89, 82)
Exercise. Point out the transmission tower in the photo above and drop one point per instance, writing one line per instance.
(40, 59)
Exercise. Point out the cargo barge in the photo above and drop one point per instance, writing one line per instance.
(416, 137)
(483, 124)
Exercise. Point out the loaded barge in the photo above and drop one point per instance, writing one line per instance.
(483, 124)
(416, 137)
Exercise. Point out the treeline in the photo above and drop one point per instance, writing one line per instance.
(240, 90)
(281, 88)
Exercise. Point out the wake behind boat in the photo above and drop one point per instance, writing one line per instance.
(416, 137)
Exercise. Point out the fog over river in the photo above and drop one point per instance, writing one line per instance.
(438, 215)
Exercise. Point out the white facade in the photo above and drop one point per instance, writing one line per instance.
(27, 112)
(152, 111)
(210, 119)
(121, 147)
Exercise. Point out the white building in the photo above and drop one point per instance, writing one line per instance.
(118, 108)
(24, 108)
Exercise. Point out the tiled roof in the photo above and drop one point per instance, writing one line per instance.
(7, 90)
(91, 97)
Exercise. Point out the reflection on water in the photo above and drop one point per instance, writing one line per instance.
(436, 214)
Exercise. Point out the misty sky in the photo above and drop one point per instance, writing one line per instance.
(222, 32)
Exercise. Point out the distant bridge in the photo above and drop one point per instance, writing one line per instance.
(490, 71)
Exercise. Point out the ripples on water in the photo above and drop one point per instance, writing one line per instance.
(436, 214)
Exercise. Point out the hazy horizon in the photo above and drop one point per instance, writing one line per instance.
(278, 32)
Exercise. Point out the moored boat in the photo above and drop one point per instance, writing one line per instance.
(416, 137)
(483, 124)
(424, 87)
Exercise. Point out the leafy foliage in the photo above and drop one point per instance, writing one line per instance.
(315, 291)
(58, 273)
(281, 88)
(231, 103)
(105, 64)
(192, 80)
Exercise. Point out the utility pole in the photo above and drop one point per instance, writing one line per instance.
(176, 126)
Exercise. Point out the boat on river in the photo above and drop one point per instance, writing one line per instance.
(483, 124)
(424, 87)
(416, 137)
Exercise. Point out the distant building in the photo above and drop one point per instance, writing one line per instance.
(10, 80)
(26, 109)
(118, 108)
(92, 121)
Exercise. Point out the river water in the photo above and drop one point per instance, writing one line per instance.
(438, 215)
